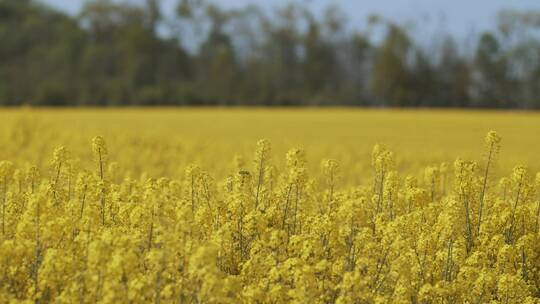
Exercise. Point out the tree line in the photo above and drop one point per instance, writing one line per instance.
(118, 53)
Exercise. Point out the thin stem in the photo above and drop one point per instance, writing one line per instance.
(467, 220)
(103, 189)
(286, 206)
(511, 231)
(260, 181)
(484, 186)
(192, 193)
(381, 189)
(100, 165)
(83, 199)
(4, 206)
(151, 231)
(537, 216)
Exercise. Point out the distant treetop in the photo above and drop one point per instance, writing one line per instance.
(118, 54)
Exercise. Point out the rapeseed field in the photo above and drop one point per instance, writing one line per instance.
(269, 206)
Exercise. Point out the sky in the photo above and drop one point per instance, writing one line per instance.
(458, 17)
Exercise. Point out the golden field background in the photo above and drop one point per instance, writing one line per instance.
(163, 141)
(190, 206)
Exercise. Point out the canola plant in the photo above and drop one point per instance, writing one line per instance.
(265, 233)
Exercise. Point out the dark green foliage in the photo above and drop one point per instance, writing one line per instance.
(116, 54)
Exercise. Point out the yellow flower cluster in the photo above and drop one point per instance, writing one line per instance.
(266, 234)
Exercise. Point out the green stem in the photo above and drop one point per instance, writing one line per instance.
(484, 186)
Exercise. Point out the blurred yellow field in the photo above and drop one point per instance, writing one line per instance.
(269, 206)
(163, 141)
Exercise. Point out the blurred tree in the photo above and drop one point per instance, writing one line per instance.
(491, 73)
(391, 78)
(38, 51)
(133, 53)
(320, 69)
(356, 67)
(282, 62)
(154, 15)
(124, 57)
(423, 81)
(216, 61)
(454, 77)
(520, 33)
